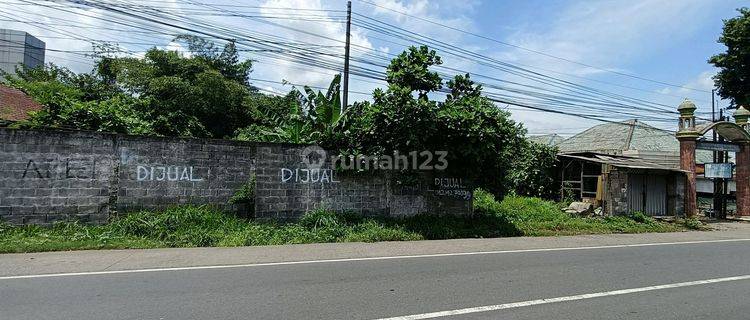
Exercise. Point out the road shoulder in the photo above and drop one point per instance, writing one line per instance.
(114, 260)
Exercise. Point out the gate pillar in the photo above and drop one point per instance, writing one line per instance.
(687, 135)
(743, 166)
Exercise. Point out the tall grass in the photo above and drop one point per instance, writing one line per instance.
(201, 226)
(537, 217)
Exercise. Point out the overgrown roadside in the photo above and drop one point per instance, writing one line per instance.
(203, 227)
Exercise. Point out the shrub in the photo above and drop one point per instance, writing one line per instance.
(485, 203)
(452, 226)
(533, 172)
(372, 231)
(640, 217)
(244, 197)
(245, 194)
(320, 218)
(693, 224)
(192, 226)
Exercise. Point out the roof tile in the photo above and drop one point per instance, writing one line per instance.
(15, 105)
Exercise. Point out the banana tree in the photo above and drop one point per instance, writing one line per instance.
(324, 110)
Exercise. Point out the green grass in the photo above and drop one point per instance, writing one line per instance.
(537, 217)
(203, 227)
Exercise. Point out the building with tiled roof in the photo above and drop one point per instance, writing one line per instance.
(631, 138)
(547, 139)
(15, 105)
(637, 139)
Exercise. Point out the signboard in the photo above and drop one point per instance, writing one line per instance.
(719, 170)
(700, 168)
(717, 146)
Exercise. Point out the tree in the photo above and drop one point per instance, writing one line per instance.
(226, 61)
(204, 94)
(309, 117)
(481, 139)
(201, 95)
(533, 171)
(409, 71)
(77, 101)
(733, 79)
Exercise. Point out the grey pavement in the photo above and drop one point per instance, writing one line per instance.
(378, 288)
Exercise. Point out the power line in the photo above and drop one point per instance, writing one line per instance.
(305, 56)
(532, 50)
(447, 48)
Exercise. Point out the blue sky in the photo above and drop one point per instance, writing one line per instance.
(667, 41)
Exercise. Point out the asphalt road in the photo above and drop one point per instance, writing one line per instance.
(382, 288)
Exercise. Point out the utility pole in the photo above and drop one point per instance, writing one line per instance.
(717, 183)
(720, 199)
(713, 105)
(345, 102)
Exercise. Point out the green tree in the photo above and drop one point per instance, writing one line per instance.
(292, 126)
(481, 139)
(226, 61)
(77, 101)
(733, 79)
(309, 117)
(534, 170)
(201, 95)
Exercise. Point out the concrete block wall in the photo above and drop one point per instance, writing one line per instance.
(48, 176)
(433, 193)
(154, 173)
(51, 176)
(287, 187)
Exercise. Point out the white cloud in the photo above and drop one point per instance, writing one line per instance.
(424, 9)
(606, 34)
(67, 33)
(179, 48)
(329, 33)
(703, 81)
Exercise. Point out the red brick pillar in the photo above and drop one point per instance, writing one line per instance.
(687, 134)
(687, 163)
(743, 181)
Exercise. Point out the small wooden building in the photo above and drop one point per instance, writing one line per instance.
(621, 184)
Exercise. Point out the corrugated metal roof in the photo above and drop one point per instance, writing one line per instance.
(618, 161)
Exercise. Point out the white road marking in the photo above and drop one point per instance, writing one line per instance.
(513, 305)
(90, 273)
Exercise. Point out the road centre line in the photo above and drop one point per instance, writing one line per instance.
(528, 303)
(250, 265)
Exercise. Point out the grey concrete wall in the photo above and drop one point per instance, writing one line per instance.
(48, 176)
(155, 172)
(287, 187)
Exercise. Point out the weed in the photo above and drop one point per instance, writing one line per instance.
(196, 226)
